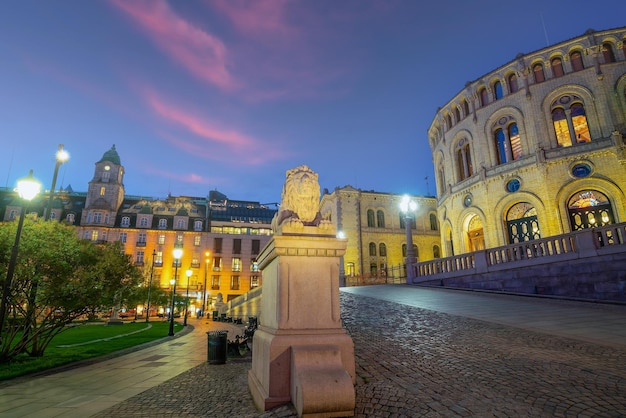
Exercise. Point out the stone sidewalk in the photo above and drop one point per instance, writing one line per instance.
(413, 362)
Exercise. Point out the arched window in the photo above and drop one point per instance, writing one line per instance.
(457, 114)
(522, 223)
(577, 61)
(607, 53)
(464, 160)
(570, 124)
(538, 73)
(512, 81)
(508, 142)
(441, 178)
(180, 224)
(497, 90)
(559, 121)
(125, 222)
(557, 67)
(436, 251)
(372, 249)
(448, 121)
(380, 218)
(589, 209)
(370, 218)
(162, 223)
(143, 222)
(624, 46)
(433, 222)
(466, 110)
(197, 225)
(484, 99)
(382, 249)
(579, 120)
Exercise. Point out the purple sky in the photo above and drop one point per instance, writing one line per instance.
(229, 94)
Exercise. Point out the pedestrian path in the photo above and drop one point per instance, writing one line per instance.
(84, 391)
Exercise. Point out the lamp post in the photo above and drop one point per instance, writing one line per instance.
(150, 287)
(61, 157)
(408, 206)
(27, 189)
(178, 252)
(189, 272)
(206, 269)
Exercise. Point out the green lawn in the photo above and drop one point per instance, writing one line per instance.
(87, 341)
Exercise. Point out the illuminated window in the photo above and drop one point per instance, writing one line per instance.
(557, 67)
(102, 191)
(179, 239)
(94, 235)
(254, 282)
(507, 140)
(236, 264)
(215, 282)
(196, 240)
(235, 282)
(161, 239)
(538, 73)
(577, 61)
(570, 122)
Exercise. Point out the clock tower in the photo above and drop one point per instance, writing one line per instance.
(106, 191)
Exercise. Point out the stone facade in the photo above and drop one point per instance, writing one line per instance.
(374, 227)
(534, 148)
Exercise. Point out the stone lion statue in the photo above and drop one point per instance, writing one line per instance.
(300, 199)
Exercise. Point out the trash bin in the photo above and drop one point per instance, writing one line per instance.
(218, 346)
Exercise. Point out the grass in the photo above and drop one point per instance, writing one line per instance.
(87, 341)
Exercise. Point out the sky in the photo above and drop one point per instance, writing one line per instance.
(227, 95)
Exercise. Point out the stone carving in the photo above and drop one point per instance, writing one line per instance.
(299, 206)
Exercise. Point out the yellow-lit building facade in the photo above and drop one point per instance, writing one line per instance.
(374, 226)
(220, 238)
(534, 148)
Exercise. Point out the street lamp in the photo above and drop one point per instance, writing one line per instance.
(178, 252)
(408, 206)
(189, 272)
(150, 286)
(61, 157)
(27, 189)
(206, 269)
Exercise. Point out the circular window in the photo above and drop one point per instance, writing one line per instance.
(581, 170)
(513, 185)
(467, 201)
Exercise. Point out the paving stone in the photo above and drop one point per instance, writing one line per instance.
(412, 362)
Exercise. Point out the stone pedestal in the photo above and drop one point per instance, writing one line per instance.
(301, 352)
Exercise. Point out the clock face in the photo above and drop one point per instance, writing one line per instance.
(107, 168)
(468, 200)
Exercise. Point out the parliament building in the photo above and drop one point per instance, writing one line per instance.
(534, 148)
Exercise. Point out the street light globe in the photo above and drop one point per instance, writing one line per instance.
(28, 187)
(189, 272)
(62, 155)
(172, 281)
(406, 204)
(178, 253)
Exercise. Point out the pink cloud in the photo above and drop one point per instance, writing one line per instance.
(202, 54)
(257, 17)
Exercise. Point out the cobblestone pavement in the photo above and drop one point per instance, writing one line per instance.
(412, 362)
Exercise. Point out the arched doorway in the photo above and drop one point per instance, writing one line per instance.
(475, 234)
(589, 209)
(521, 223)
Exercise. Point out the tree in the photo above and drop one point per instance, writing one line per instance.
(58, 278)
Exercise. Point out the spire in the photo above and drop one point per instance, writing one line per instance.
(111, 156)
